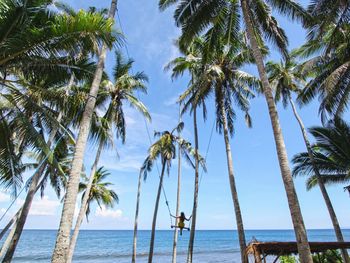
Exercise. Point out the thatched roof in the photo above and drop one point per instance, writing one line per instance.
(287, 248)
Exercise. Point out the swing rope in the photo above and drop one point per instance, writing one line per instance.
(36, 170)
(150, 139)
(145, 122)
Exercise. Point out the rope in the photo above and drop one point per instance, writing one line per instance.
(150, 140)
(207, 152)
(145, 122)
(36, 170)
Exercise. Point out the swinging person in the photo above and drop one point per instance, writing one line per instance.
(181, 223)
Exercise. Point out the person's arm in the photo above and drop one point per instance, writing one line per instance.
(189, 218)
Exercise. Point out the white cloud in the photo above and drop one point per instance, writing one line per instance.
(42, 207)
(4, 197)
(104, 212)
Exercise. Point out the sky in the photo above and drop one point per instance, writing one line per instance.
(150, 35)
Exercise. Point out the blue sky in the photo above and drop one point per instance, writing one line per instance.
(150, 35)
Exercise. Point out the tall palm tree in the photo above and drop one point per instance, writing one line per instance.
(63, 236)
(192, 63)
(115, 94)
(222, 77)
(332, 155)
(285, 78)
(224, 18)
(165, 149)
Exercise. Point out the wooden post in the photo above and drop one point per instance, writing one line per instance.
(257, 256)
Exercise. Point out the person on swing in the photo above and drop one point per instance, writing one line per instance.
(181, 223)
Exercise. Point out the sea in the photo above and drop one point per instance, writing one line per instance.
(107, 246)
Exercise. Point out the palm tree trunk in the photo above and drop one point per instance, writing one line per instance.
(133, 259)
(8, 240)
(176, 233)
(63, 235)
(33, 187)
(10, 223)
(196, 189)
(154, 222)
(84, 205)
(320, 182)
(238, 213)
(294, 207)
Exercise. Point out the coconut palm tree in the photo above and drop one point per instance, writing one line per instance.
(329, 59)
(63, 237)
(331, 152)
(36, 41)
(223, 78)
(192, 63)
(285, 78)
(223, 17)
(99, 191)
(165, 149)
(115, 94)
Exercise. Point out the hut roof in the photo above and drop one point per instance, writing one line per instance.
(287, 248)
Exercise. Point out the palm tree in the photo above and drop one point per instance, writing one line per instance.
(285, 78)
(61, 152)
(222, 77)
(329, 60)
(224, 18)
(123, 89)
(331, 152)
(99, 191)
(165, 149)
(193, 63)
(63, 236)
(36, 41)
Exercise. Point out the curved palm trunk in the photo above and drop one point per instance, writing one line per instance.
(84, 205)
(294, 207)
(133, 259)
(154, 222)
(9, 224)
(196, 189)
(177, 212)
(320, 182)
(238, 213)
(33, 188)
(63, 235)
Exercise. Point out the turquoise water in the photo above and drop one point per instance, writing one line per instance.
(115, 246)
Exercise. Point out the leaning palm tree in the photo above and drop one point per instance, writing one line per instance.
(33, 113)
(63, 236)
(223, 78)
(115, 94)
(165, 149)
(285, 78)
(332, 155)
(223, 17)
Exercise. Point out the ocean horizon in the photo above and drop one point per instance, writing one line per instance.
(116, 245)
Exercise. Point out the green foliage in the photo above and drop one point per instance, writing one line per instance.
(332, 155)
(165, 149)
(288, 259)
(330, 256)
(100, 191)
